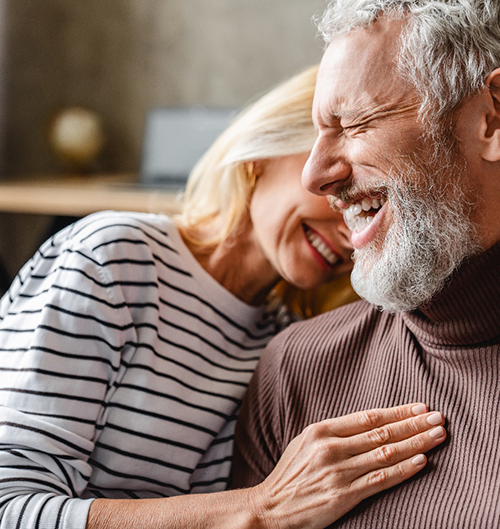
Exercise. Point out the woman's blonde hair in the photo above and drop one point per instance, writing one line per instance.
(219, 187)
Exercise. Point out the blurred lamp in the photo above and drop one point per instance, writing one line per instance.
(76, 137)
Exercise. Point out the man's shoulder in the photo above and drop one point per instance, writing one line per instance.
(326, 334)
(356, 309)
(350, 318)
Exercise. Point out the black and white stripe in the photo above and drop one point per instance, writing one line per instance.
(122, 368)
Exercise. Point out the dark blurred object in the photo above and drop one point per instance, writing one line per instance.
(5, 280)
(57, 224)
(75, 135)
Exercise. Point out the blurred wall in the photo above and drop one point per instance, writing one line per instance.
(3, 26)
(120, 57)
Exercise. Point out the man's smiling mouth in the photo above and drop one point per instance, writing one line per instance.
(359, 214)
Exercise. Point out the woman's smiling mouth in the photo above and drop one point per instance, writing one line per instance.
(321, 247)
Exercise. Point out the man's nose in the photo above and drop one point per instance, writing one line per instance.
(325, 171)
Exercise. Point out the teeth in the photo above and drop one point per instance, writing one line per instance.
(355, 216)
(321, 248)
(356, 209)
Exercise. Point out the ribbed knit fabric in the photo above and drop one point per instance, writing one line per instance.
(356, 358)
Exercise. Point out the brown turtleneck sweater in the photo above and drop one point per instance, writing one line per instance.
(354, 358)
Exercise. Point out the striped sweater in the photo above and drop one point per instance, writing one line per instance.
(446, 355)
(122, 366)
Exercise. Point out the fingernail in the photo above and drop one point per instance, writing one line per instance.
(419, 409)
(435, 418)
(418, 460)
(437, 432)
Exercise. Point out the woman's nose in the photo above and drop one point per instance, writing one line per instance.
(325, 173)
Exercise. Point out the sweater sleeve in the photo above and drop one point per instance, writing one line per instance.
(65, 332)
(259, 430)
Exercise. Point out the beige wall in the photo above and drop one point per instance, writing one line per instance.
(119, 57)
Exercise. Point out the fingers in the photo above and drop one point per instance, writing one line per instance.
(390, 465)
(390, 455)
(393, 432)
(385, 478)
(363, 421)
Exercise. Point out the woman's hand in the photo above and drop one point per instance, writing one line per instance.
(334, 464)
(324, 472)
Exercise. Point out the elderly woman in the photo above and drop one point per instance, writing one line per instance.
(127, 342)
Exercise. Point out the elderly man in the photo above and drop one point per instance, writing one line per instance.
(407, 108)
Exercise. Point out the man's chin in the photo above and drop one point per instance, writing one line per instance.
(405, 278)
(366, 287)
(388, 278)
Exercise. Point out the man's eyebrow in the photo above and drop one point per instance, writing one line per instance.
(363, 115)
(335, 115)
(351, 114)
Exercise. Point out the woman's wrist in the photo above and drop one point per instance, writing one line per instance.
(260, 508)
(236, 509)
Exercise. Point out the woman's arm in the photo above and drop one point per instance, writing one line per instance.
(325, 471)
(58, 365)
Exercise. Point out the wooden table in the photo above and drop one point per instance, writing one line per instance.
(80, 195)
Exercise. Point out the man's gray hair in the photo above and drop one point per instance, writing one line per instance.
(448, 47)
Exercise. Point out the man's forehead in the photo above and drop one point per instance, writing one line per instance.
(358, 70)
(384, 32)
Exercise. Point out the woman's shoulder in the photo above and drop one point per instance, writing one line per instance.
(117, 237)
(105, 232)
(107, 225)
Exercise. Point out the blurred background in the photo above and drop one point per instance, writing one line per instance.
(120, 58)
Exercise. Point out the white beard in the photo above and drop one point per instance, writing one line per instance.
(430, 236)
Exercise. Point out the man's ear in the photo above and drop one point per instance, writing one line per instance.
(491, 135)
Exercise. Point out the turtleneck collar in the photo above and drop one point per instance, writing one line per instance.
(467, 310)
